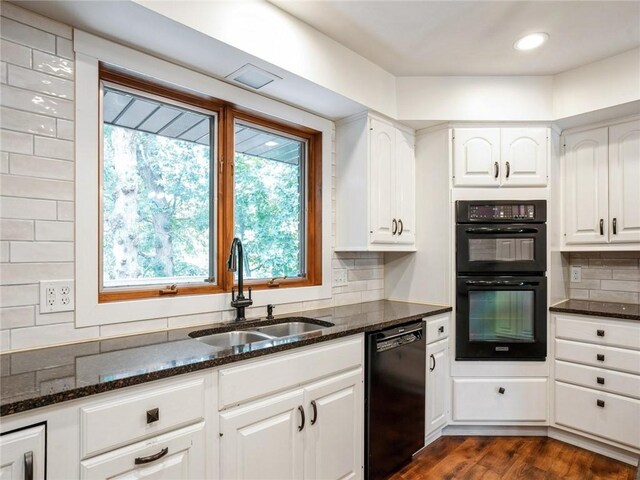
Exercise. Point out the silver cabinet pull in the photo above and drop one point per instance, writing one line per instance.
(28, 466)
(152, 458)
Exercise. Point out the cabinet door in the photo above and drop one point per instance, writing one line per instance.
(22, 451)
(262, 441)
(437, 388)
(524, 157)
(586, 200)
(624, 182)
(476, 157)
(178, 455)
(334, 435)
(405, 167)
(382, 210)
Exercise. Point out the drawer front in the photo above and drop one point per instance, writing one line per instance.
(270, 375)
(615, 333)
(603, 414)
(437, 329)
(126, 419)
(599, 356)
(599, 378)
(478, 399)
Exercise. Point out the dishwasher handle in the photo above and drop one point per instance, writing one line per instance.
(399, 340)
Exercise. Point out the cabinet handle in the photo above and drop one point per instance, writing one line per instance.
(401, 227)
(315, 412)
(600, 333)
(151, 458)
(600, 403)
(394, 223)
(496, 168)
(600, 380)
(301, 410)
(441, 329)
(600, 357)
(432, 359)
(615, 226)
(28, 466)
(601, 226)
(501, 391)
(508, 169)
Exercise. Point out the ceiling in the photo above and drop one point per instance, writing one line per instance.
(422, 38)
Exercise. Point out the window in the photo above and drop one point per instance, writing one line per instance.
(181, 175)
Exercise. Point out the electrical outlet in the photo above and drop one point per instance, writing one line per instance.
(576, 274)
(339, 278)
(57, 296)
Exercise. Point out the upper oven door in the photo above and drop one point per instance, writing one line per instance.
(501, 248)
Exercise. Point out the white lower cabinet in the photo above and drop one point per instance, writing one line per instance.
(176, 455)
(23, 454)
(437, 382)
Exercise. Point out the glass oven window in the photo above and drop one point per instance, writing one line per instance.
(501, 316)
(501, 249)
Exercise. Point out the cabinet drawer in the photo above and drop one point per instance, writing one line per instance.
(616, 419)
(615, 333)
(275, 374)
(437, 329)
(479, 399)
(599, 356)
(124, 420)
(599, 378)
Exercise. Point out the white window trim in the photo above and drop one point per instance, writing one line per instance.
(89, 51)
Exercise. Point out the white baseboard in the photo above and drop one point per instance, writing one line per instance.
(495, 430)
(432, 437)
(594, 446)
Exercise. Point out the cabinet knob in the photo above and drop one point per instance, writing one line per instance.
(441, 329)
(501, 391)
(153, 415)
(600, 357)
(600, 333)
(600, 403)
(600, 380)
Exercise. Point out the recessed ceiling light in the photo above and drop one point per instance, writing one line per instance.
(529, 42)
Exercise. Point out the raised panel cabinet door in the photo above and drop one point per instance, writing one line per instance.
(476, 157)
(263, 440)
(382, 209)
(524, 155)
(624, 182)
(586, 202)
(177, 455)
(437, 388)
(335, 434)
(23, 451)
(405, 189)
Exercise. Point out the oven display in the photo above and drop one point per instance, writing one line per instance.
(501, 212)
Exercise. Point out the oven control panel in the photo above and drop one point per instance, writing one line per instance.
(502, 212)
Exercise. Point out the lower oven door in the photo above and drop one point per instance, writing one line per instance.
(501, 318)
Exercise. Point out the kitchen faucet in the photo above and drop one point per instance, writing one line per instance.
(236, 262)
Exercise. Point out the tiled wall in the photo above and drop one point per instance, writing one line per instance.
(37, 188)
(607, 276)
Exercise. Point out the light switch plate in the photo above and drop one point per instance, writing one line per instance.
(57, 296)
(576, 274)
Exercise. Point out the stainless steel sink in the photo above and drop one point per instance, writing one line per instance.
(227, 340)
(288, 329)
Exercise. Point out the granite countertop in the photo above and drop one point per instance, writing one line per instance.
(628, 311)
(46, 376)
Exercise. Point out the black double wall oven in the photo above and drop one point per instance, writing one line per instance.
(501, 284)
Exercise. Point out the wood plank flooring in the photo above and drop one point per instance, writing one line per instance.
(511, 458)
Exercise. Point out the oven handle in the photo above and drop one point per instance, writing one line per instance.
(485, 230)
(488, 283)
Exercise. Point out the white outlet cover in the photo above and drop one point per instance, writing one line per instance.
(576, 274)
(339, 277)
(57, 296)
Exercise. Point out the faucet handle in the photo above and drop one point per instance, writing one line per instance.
(233, 294)
(249, 288)
(270, 308)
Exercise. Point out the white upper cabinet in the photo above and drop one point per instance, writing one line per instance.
(601, 185)
(500, 157)
(375, 185)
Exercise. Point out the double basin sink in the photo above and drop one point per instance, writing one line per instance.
(285, 329)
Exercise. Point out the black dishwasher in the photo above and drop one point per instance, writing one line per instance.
(394, 398)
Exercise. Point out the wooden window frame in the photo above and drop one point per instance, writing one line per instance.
(227, 114)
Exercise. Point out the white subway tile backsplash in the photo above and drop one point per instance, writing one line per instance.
(37, 21)
(66, 211)
(52, 65)
(26, 35)
(132, 328)
(16, 54)
(41, 252)
(54, 148)
(5, 340)
(21, 99)
(64, 48)
(27, 208)
(607, 276)
(626, 274)
(191, 320)
(4, 252)
(621, 285)
(54, 231)
(53, 318)
(66, 129)
(372, 295)
(16, 273)
(19, 295)
(347, 298)
(613, 296)
(11, 229)
(31, 187)
(41, 167)
(32, 337)
(27, 122)
(16, 142)
(40, 82)
(16, 317)
(4, 162)
(3, 72)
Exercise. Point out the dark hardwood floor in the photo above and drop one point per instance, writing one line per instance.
(511, 458)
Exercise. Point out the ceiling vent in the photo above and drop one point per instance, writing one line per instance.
(253, 77)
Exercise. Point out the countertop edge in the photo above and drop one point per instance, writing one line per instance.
(593, 313)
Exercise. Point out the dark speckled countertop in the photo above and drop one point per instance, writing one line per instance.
(36, 378)
(628, 311)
